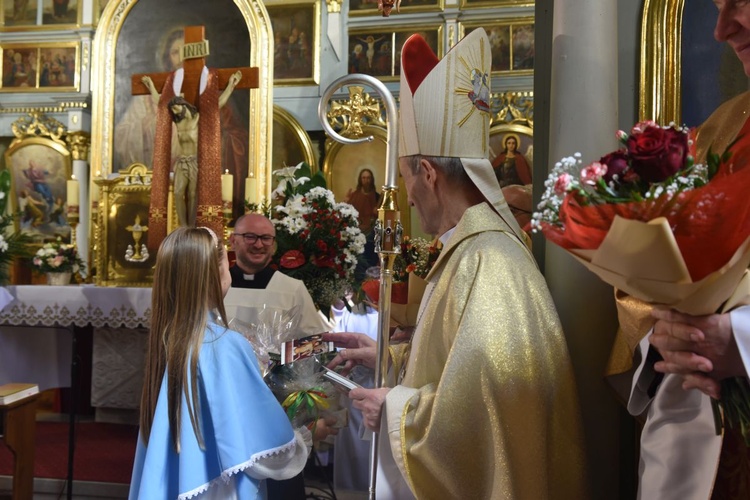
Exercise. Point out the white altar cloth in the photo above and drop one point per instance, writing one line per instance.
(35, 335)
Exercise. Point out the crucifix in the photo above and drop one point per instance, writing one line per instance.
(190, 97)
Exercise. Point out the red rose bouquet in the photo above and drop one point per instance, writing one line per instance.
(650, 222)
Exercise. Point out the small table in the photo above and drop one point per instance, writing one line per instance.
(19, 427)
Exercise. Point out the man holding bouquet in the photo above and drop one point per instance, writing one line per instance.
(484, 394)
(681, 454)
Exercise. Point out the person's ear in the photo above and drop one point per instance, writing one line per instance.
(428, 171)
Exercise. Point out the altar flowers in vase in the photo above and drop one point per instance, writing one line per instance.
(58, 258)
(649, 221)
(319, 241)
(13, 243)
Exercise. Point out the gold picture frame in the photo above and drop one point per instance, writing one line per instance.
(296, 29)
(370, 7)
(376, 51)
(511, 43)
(121, 229)
(488, 4)
(23, 15)
(524, 135)
(40, 67)
(291, 142)
(39, 169)
(343, 164)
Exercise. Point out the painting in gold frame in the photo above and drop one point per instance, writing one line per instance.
(40, 168)
(47, 67)
(59, 12)
(524, 146)
(296, 31)
(291, 143)
(377, 52)
(486, 4)
(685, 73)
(19, 15)
(344, 163)
(370, 7)
(511, 42)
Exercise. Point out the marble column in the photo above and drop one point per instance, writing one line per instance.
(583, 118)
(78, 143)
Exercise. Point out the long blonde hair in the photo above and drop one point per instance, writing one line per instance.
(187, 287)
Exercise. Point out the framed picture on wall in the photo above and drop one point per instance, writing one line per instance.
(56, 12)
(378, 52)
(511, 44)
(40, 168)
(484, 4)
(296, 31)
(49, 67)
(58, 67)
(370, 7)
(19, 14)
(291, 143)
(512, 153)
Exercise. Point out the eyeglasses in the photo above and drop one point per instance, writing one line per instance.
(251, 238)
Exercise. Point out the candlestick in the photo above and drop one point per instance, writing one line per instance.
(227, 186)
(250, 187)
(73, 191)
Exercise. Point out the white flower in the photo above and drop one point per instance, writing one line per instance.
(287, 172)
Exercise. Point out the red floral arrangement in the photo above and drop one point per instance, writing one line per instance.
(319, 241)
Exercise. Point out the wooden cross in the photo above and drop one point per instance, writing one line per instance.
(194, 52)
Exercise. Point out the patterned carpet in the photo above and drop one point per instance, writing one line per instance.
(104, 452)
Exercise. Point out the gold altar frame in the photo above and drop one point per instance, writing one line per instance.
(39, 51)
(277, 9)
(121, 200)
(660, 96)
(55, 160)
(260, 107)
(406, 8)
(512, 24)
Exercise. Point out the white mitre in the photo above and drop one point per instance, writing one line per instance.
(445, 110)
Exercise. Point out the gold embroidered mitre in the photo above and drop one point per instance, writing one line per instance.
(445, 103)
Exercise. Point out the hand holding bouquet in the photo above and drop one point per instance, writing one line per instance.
(653, 224)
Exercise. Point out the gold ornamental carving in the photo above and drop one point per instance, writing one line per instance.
(333, 6)
(78, 143)
(349, 116)
(38, 125)
(513, 107)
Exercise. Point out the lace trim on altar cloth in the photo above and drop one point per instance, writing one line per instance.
(227, 474)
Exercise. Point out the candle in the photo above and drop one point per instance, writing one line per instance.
(227, 186)
(73, 191)
(250, 187)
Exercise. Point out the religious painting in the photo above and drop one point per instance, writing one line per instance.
(291, 143)
(483, 4)
(58, 67)
(370, 7)
(19, 13)
(296, 32)
(512, 153)
(19, 67)
(346, 164)
(378, 53)
(511, 44)
(40, 168)
(60, 12)
(150, 41)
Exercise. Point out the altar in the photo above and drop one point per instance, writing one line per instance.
(37, 328)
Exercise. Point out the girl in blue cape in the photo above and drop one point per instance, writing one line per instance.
(210, 427)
